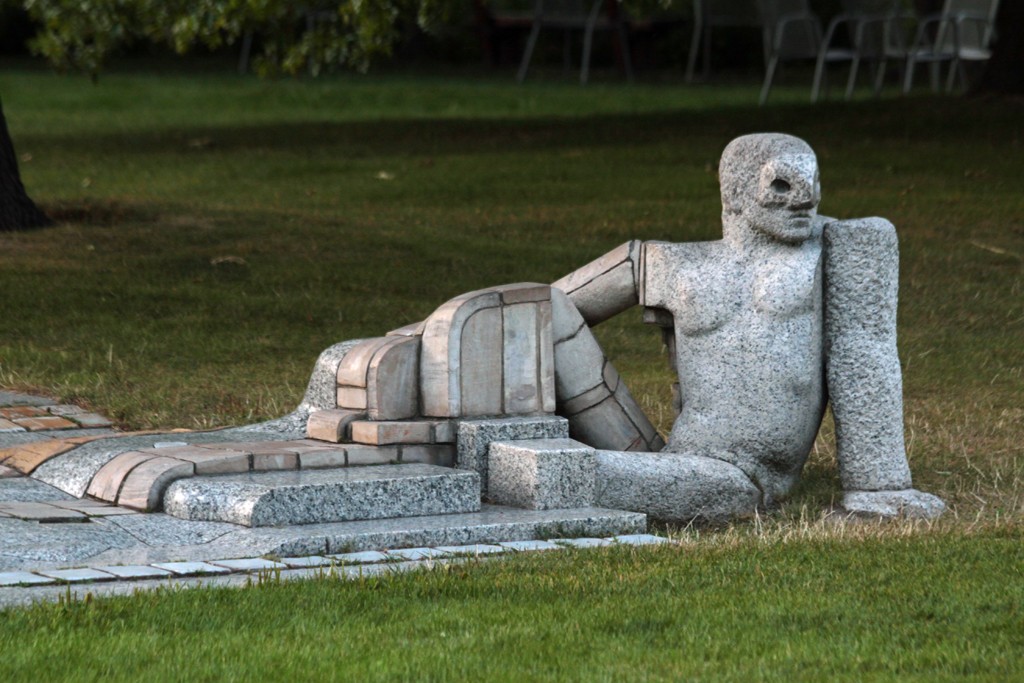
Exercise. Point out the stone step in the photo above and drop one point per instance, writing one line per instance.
(259, 499)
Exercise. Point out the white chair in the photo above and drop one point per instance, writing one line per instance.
(709, 14)
(576, 15)
(868, 25)
(962, 32)
(791, 32)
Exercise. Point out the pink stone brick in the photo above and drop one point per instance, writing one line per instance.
(36, 424)
(384, 433)
(143, 488)
(106, 483)
(332, 425)
(266, 462)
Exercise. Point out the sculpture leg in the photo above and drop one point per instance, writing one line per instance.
(588, 390)
(675, 487)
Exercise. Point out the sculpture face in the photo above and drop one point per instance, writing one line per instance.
(787, 195)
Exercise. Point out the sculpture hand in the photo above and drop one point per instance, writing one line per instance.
(909, 503)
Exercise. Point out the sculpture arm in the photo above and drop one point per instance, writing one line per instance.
(862, 369)
(607, 286)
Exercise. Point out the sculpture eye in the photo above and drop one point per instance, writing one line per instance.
(780, 186)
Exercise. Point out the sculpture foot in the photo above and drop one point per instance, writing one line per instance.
(908, 503)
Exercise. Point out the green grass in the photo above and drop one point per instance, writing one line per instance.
(921, 608)
(350, 206)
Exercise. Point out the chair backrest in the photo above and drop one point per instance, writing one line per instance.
(800, 39)
(874, 35)
(972, 34)
(727, 12)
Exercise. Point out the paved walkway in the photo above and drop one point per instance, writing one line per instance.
(52, 541)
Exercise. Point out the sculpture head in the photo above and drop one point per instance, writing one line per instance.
(770, 181)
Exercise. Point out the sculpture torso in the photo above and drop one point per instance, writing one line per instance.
(748, 351)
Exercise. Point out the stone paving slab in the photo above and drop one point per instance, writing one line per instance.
(416, 553)
(529, 545)
(191, 568)
(250, 564)
(473, 550)
(23, 578)
(308, 561)
(583, 542)
(364, 557)
(135, 571)
(77, 575)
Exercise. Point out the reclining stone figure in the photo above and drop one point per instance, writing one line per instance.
(788, 311)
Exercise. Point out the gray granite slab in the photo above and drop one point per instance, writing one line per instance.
(529, 545)
(28, 490)
(31, 545)
(315, 496)
(191, 568)
(364, 557)
(23, 579)
(584, 542)
(416, 553)
(17, 438)
(640, 539)
(307, 561)
(472, 550)
(157, 529)
(135, 571)
(83, 575)
(249, 564)
(17, 398)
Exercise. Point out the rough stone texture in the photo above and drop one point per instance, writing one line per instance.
(747, 311)
(475, 437)
(311, 497)
(674, 487)
(356, 456)
(312, 460)
(541, 474)
(272, 462)
(25, 489)
(323, 383)
(41, 512)
(31, 545)
(906, 503)
(863, 368)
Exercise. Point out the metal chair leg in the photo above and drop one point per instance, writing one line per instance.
(531, 43)
(851, 82)
(768, 77)
(691, 60)
(819, 73)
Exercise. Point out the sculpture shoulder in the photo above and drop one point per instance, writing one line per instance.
(666, 265)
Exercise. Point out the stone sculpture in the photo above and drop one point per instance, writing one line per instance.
(789, 310)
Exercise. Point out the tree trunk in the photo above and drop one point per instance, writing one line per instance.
(17, 210)
(1005, 72)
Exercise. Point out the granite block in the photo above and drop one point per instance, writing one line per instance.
(28, 490)
(541, 474)
(475, 436)
(317, 496)
(90, 420)
(17, 398)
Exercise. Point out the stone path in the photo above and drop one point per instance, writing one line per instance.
(59, 531)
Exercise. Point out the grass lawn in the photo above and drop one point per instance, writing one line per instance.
(216, 233)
